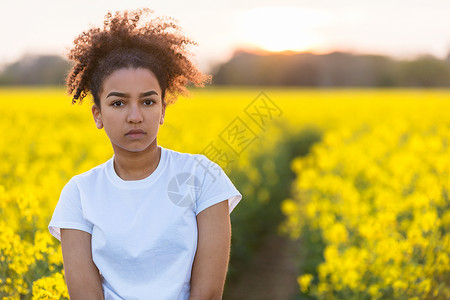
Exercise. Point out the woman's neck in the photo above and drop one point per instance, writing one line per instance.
(137, 165)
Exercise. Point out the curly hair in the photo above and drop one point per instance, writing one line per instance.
(157, 46)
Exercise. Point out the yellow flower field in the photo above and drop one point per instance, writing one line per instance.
(375, 187)
(376, 194)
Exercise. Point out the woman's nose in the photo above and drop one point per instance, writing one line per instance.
(134, 114)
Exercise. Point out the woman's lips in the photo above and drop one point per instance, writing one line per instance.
(135, 133)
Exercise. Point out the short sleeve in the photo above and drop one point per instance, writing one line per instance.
(68, 212)
(216, 187)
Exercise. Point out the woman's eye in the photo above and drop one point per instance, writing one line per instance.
(148, 102)
(117, 103)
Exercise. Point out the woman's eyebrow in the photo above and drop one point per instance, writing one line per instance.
(149, 93)
(118, 95)
(123, 95)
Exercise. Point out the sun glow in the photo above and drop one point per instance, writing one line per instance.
(280, 28)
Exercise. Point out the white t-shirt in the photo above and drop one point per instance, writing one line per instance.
(144, 232)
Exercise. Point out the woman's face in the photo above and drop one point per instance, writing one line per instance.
(131, 109)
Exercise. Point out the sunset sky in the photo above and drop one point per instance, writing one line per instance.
(402, 28)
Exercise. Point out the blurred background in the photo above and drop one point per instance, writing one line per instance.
(312, 43)
(345, 172)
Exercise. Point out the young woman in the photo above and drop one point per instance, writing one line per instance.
(149, 223)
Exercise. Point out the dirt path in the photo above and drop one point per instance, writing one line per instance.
(271, 275)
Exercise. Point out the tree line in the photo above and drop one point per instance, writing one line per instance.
(250, 69)
(36, 70)
(333, 69)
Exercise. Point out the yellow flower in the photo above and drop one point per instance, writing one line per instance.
(336, 234)
(304, 281)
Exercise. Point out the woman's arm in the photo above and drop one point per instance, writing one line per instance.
(213, 252)
(82, 276)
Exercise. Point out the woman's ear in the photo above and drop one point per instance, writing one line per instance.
(96, 113)
(163, 113)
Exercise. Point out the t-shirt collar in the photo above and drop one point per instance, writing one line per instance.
(136, 184)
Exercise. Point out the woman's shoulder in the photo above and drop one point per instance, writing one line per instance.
(192, 163)
(178, 156)
(93, 172)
